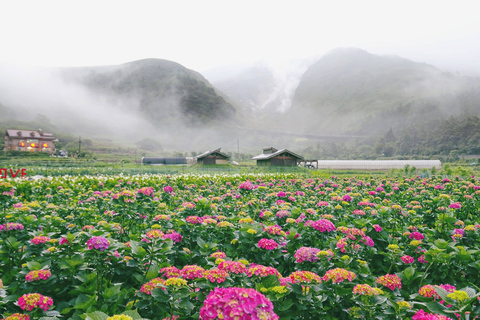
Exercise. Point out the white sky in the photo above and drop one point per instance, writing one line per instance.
(202, 34)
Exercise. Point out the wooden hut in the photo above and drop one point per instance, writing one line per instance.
(30, 140)
(212, 157)
(273, 157)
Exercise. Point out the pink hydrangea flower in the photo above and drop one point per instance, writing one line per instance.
(306, 254)
(407, 259)
(391, 281)
(38, 275)
(422, 315)
(31, 301)
(237, 303)
(323, 225)
(268, 244)
(416, 235)
(99, 243)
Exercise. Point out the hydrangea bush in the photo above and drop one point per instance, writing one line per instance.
(274, 246)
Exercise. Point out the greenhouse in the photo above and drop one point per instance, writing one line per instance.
(378, 164)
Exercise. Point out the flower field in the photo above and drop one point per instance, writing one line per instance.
(271, 246)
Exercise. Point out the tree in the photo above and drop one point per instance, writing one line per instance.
(149, 144)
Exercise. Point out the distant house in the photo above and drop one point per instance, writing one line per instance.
(212, 157)
(273, 157)
(29, 140)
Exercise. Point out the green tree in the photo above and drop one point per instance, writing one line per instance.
(149, 144)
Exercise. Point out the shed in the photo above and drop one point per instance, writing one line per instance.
(212, 157)
(164, 161)
(377, 164)
(273, 157)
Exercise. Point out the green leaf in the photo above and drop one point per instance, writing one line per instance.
(409, 272)
(436, 307)
(185, 304)
(442, 293)
(297, 288)
(97, 315)
(133, 313)
(285, 305)
(441, 244)
(137, 250)
(153, 271)
(113, 290)
(380, 300)
(34, 265)
(83, 302)
(200, 242)
(270, 281)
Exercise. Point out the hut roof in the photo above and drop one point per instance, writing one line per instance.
(209, 152)
(30, 134)
(264, 156)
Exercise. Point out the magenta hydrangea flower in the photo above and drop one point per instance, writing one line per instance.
(268, 244)
(247, 185)
(174, 236)
(31, 301)
(391, 281)
(323, 225)
(455, 205)
(39, 239)
(148, 191)
(422, 315)
(38, 275)
(168, 189)
(407, 259)
(306, 254)
(322, 204)
(281, 194)
(237, 303)
(99, 243)
(416, 235)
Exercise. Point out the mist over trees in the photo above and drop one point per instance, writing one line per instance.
(348, 105)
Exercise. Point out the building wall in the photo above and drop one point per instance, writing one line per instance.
(212, 159)
(263, 163)
(24, 144)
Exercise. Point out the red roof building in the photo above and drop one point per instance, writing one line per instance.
(29, 140)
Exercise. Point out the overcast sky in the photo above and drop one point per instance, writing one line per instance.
(202, 34)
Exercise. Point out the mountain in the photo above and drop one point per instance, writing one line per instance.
(164, 91)
(150, 98)
(260, 87)
(352, 91)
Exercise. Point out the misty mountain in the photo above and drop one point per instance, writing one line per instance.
(261, 88)
(162, 91)
(150, 98)
(353, 91)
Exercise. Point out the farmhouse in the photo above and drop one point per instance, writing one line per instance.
(273, 157)
(212, 157)
(29, 140)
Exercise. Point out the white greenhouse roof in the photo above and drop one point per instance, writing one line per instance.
(378, 164)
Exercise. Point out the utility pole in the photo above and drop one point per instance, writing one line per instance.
(79, 144)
